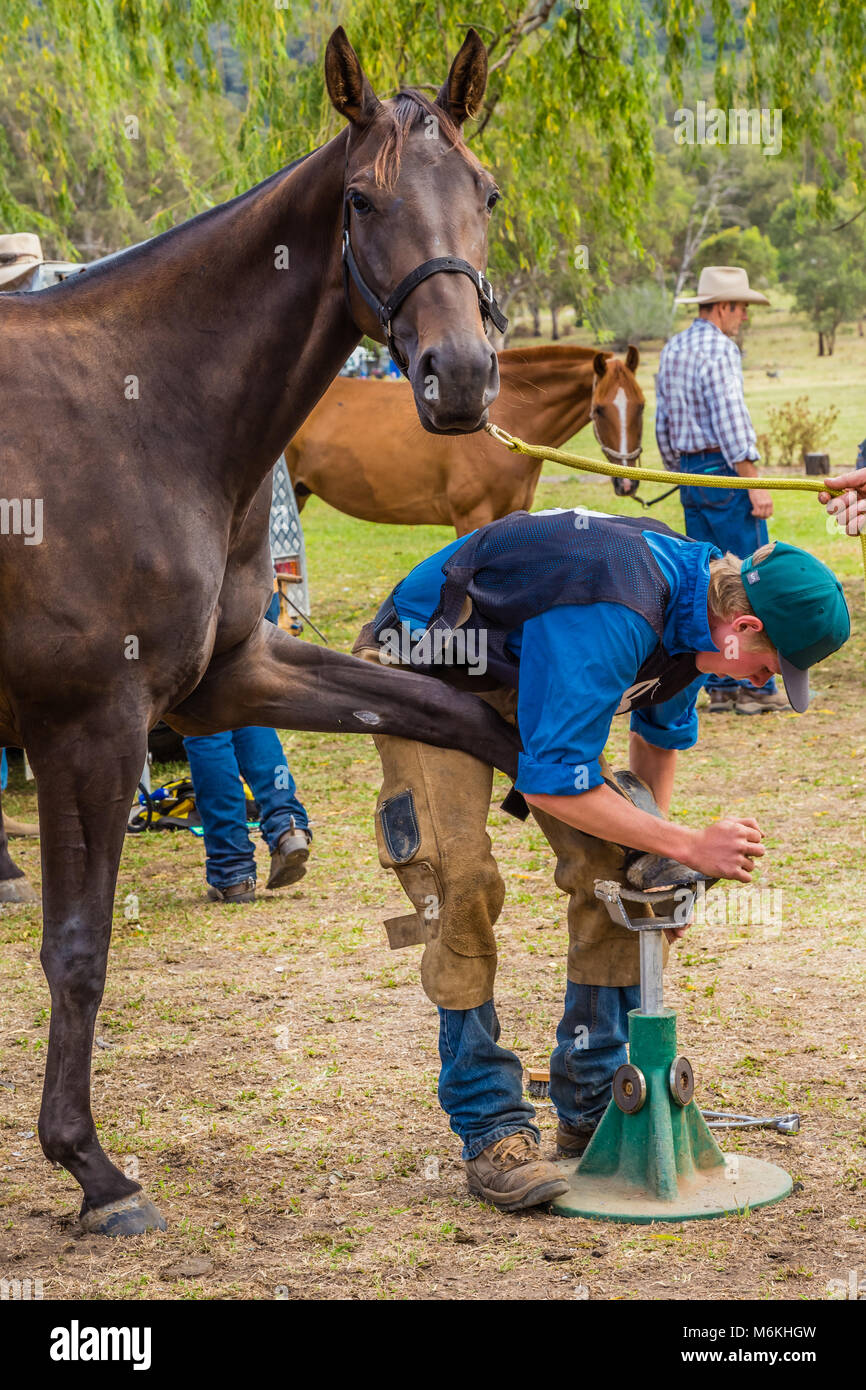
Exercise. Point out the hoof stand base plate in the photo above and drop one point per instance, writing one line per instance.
(743, 1182)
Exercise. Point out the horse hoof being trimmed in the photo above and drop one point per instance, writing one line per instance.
(130, 1216)
(17, 890)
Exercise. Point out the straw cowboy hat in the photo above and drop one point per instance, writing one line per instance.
(20, 254)
(722, 284)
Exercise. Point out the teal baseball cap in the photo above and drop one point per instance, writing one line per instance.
(803, 609)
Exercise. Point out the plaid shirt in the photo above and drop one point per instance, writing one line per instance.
(699, 397)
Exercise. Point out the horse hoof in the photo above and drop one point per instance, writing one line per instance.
(129, 1216)
(17, 890)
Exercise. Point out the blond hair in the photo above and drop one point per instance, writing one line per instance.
(726, 595)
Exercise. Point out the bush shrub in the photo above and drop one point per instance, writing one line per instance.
(632, 313)
(795, 430)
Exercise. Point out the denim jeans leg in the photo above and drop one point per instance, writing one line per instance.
(590, 1045)
(219, 796)
(263, 763)
(480, 1084)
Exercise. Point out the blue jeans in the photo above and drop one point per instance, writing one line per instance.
(722, 517)
(481, 1084)
(216, 763)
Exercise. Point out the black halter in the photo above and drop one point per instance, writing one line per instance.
(385, 311)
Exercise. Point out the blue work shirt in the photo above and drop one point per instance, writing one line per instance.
(578, 665)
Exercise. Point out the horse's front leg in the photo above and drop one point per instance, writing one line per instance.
(14, 887)
(86, 778)
(277, 680)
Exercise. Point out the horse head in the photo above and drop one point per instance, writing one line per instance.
(617, 412)
(417, 205)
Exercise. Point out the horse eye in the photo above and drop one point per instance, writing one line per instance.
(359, 202)
(493, 199)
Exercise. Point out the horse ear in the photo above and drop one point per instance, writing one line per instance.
(599, 363)
(347, 84)
(463, 91)
(632, 358)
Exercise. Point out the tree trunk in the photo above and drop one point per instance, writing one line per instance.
(554, 311)
(820, 344)
(535, 311)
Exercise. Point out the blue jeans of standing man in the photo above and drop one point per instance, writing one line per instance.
(722, 517)
(216, 764)
(481, 1083)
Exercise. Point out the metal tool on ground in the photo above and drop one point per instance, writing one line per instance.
(653, 1157)
(728, 1119)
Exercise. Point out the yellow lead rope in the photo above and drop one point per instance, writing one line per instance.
(660, 475)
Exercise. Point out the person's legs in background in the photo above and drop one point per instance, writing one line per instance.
(284, 821)
(216, 764)
(230, 864)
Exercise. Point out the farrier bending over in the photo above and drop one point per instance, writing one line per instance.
(573, 617)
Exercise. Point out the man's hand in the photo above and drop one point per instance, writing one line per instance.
(849, 509)
(723, 850)
(726, 849)
(762, 502)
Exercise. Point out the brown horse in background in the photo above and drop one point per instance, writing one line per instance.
(363, 451)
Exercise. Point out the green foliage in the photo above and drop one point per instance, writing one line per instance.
(633, 313)
(824, 266)
(734, 246)
(795, 429)
(226, 91)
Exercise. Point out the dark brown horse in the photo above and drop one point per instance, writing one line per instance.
(145, 403)
(363, 451)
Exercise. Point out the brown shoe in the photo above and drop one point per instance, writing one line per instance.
(571, 1143)
(243, 892)
(289, 859)
(722, 700)
(760, 701)
(512, 1174)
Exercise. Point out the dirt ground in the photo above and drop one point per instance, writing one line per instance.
(269, 1071)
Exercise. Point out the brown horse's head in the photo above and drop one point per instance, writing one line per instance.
(415, 193)
(617, 412)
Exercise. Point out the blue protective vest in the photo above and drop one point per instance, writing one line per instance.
(525, 564)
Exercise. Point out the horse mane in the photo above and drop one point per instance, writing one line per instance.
(549, 352)
(406, 110)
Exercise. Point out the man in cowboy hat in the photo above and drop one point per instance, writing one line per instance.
(703, 426)
(23, 266)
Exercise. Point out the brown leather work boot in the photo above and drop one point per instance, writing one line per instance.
(760, 701)
(723, 700)
(571, 1143)
(242, 892)
(289, 859)
(512, 1174)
